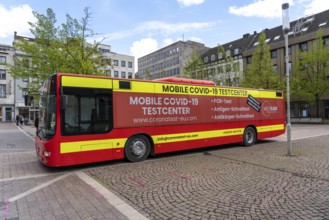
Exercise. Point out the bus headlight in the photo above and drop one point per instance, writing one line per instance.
(47, 153)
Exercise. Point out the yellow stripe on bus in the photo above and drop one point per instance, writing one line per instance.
(270, 128)
(86, 82)
(160, 139)
(81, 146)
(181, 89)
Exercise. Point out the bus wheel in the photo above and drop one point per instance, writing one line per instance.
(137, 148)
(249, 136)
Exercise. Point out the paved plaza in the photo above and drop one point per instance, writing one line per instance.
(227, 182)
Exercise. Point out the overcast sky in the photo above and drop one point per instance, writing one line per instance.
(139, 27)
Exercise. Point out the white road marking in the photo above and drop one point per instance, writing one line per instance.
(30, 176)
(118, 203)
(29, 136)
(43, 185)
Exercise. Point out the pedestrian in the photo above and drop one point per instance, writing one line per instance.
(17, 119)
(36, 123)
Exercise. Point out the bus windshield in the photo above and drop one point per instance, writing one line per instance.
(47, 108)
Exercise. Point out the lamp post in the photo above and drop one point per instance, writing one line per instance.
(285, 29)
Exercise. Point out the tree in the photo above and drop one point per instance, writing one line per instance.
(260, 73)
(56, 49)
(194, 68)
(229, 72)
(148, 74)
(312, 72)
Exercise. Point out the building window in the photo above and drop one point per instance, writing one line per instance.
(116, 73)
(274, 54)
(123, 63)
(123, 74)
(303, 46)
(228, 68)
(26, 63)
(304, 110)
(106, 61)
(2, 59)
(236, 67)
(275, 68)
(289, 50)
(115, 62)
(2, 91)
(228, 53)
(326, 41)
(205, 59)
(249, 59)
(102, 50)
(130, 64)
(2, 74)
(236, 51)
(289, 67)
(220, 69)
(220, 56)
(213, 57)
(108, 72)
(130, 75)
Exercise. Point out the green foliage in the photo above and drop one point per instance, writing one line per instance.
(56, 49)
(229, 73)
(148, 74)
(311, 67)
(260, 73)
(194, 68)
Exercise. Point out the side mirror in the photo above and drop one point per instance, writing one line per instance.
(64, 99)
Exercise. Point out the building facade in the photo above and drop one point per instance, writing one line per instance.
(168, 61)
(119, 65)
(300, 38)
(7, 91)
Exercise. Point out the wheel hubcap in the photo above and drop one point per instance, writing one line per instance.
(138, 148)
(250, 137)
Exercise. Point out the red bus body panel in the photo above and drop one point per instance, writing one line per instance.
(132, 116)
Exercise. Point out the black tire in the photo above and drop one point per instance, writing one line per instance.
(137, 148)
(249, 136)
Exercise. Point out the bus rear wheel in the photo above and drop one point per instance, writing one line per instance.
(137, 148)
(249, 136)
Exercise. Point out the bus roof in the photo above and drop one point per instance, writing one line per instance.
(186, 81)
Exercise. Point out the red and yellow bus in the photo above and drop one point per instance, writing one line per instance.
(85, 119)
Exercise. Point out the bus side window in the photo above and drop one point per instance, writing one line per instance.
(70, 116)
(88, 111)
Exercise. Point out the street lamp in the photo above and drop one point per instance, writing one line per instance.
(285, 29)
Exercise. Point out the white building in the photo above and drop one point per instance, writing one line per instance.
(168, 61)
(120, 66)
(7, 94)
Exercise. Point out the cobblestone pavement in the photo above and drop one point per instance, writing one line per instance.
(230, 182)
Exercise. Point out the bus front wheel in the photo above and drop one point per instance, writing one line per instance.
(137, 148)
(249, 136)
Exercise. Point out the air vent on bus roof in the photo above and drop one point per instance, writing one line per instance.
(278, 94)
(124, 85)
(186, 81)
